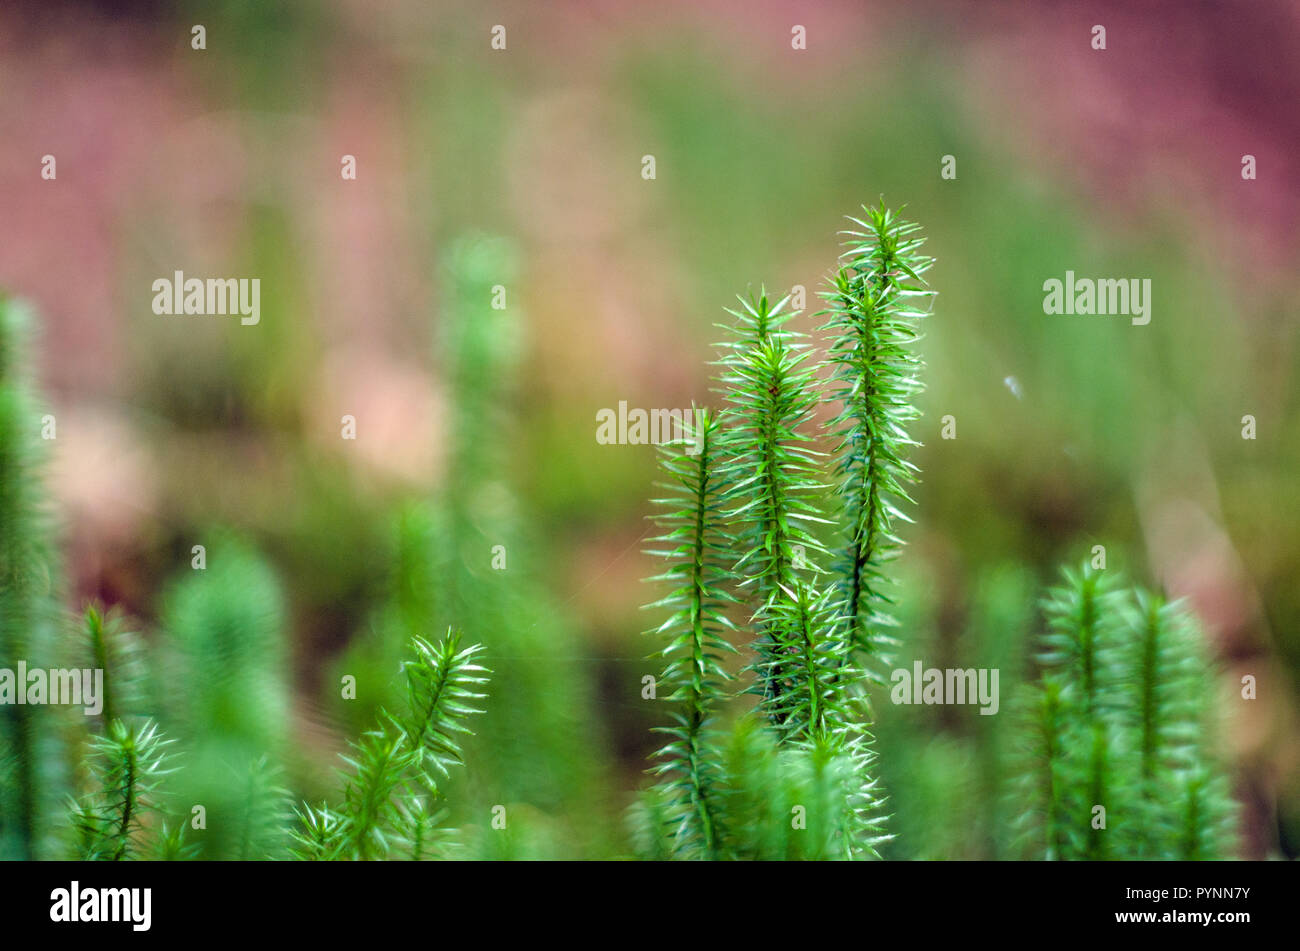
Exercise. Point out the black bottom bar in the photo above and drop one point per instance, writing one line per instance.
(334, 902)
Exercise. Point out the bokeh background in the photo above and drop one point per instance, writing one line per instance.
(476, 427)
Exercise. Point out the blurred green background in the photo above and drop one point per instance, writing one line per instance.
(522, 167)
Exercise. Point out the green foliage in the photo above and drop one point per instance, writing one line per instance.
(1043, 782)
(226, 624)
(1082, 651)
(1083, 641)
(696, 632)
(227, 694)
(396, 768)
(945, 767)
(441, 684)
(121, 814)
(111, 646)
(540, 742)
(1120, 716)
(876, 298)
(29, 610)
(755, 485)
(371, 815)
(264, 813)
(771, 469)
(768, 801)
(171, 843)
(819, 691)
(795, 788)
(1200, 823)
(1185, 808)
(317, 833)
(769, 460)
(1120, 720)
(127, 764)
(801, 801)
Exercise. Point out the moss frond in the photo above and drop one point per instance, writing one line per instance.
(128, 764)
(29, 604)
(876, 299)
(772, 471)
(394, 770)
(696, 556)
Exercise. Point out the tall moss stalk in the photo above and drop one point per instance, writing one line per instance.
(772, 471)
(1119, 759)
(696, 633)
(876, 299)
(29, 603)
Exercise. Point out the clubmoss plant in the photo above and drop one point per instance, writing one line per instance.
(877, 297)
(1082, 649)
(771, 467)
(803, 801)
(29, 601)
(807, 630)
(463, 558)
(128, 764)
(1118, 762)
(264, 813)
(1185, 811)
(397, 770)
(1117, 755)
(698, 565)
(122, 814)
(228, 697)
(113, 647)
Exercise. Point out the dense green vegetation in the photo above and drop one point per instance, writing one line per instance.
(778, 623)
